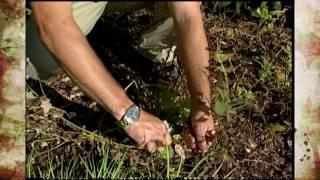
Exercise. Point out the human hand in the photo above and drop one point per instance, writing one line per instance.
(149, 132)
(202, 129)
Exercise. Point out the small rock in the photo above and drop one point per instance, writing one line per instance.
(43, 145)
(180, 151)
(75, 88)
(253, 145)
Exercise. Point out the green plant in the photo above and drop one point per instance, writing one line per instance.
(221, 107)
(240, 4)
(105, 168)
(259, 11)
(29, 166)
(262, 11)
(288, 50)
(176, 114)
(266, 68)
(243, 96)
(93, 168)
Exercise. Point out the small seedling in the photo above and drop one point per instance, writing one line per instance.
(275, 128)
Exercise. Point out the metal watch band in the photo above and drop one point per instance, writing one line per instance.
(126, 120)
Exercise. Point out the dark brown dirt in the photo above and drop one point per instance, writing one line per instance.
(244, 140)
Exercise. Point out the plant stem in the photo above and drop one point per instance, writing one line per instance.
(168, 162)
(199, 163)
(179, 168)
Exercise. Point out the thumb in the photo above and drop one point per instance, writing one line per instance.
(166, 141)
(167, 138)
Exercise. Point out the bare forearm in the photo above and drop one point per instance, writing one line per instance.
(79, 60)
(192, 46)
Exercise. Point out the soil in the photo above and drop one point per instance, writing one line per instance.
(244, 141)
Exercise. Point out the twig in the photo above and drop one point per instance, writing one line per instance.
(279, 51)
(129, 85)
(246, 34)
(39, 80)
(55, 136)
(259, 161)
(100, 138)
(226, 176)
(216, 172)
(32, 90)
(56, 147)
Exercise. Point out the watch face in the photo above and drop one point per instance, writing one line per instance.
(133, 113)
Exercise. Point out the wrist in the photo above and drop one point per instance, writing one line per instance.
(200, 107)
(120, 109)
(198, 101)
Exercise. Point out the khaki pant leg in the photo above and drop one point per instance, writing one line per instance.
(158, 43)
(40, 57)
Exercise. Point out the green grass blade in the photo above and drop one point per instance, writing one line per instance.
(226, 176)
(199, 163)
(216, 172)
(168, 162)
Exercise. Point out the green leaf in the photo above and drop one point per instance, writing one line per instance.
(220, 57)
(265, 14)
(264, 5)
(277, 5)
(176, 136)
(167, 98)
(256, 13)
(223, 93)
(238, 6)
(276, 13)
(226, 3)
(274, 128)
(221, 108)
(166, 152)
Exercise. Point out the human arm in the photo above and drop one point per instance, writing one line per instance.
(193, 48)
(63, 38)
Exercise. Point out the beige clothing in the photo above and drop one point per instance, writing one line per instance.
(157, 43)
(87, 13)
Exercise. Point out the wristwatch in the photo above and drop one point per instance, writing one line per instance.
(131, 116)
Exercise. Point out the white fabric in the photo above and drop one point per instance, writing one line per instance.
(87, 13)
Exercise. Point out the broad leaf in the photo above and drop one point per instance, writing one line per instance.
(221, 108)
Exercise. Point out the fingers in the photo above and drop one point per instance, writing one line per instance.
(200, 133)
(155, 140)
(204, 141)
(151, 147)
(167, 138)
(201, 143)
(164, 136)
(143, 142)
(211, 132)
(189, 138)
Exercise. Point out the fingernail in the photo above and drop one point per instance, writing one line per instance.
(160, 149)
(193, 146)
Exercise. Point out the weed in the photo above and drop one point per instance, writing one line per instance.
(266, 68)
(288, 51)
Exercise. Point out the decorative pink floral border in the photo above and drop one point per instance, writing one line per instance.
(12, 90)
(307, 89)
